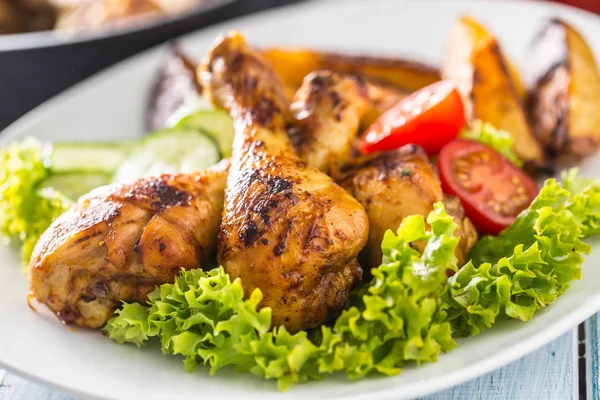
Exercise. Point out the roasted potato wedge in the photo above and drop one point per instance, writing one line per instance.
(292, 65)
(475, 62)
(564, 94)
(175, 85)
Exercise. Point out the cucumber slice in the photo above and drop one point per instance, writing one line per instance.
(169, 151)
(87, 157)
(188, 108)
(216, 123)
(75, 184)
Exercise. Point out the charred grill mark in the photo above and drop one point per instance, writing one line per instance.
(387, 163)
(317, 237)
(162, 194)
(282, 246)
(248, 232)
(338, 105)
(82, 239)
(264, 110)
(276, 184)
(320, 80)
(336, 100)
(388, 158)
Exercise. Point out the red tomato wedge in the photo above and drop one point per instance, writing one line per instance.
(430, 117)
(492, 190)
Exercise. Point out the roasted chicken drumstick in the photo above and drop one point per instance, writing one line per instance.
(287, 228)
(120, 241)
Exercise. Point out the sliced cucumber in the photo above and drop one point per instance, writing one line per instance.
(87, 157)
(75, 184)
(188, 108)
(169, 151)
(216, 123)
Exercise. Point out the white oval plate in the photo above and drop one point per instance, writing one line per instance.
(111, 106)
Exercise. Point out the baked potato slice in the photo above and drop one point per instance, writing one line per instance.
(564, 94)
(175, 85)
(475, 62)
(292, 65)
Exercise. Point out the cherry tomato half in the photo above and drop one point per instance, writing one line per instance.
(492, 190)
(430, 117)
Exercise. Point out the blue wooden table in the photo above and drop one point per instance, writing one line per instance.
(566, 369)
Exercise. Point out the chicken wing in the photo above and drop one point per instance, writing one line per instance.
(327, 110)
(120, 241)
(287, 228)
(396, 184)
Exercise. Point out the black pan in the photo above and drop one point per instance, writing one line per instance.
(37, 66)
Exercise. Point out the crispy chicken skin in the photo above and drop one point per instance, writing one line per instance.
(396, 184)
(327, 110)
(287, 228)
(120, 241)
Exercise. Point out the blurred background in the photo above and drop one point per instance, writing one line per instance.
(47, 46)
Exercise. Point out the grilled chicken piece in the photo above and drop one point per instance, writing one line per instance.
(396, 184)
(120, 241)
(327, 110)
(287, 228)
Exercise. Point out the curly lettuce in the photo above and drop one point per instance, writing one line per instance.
(499, 140)
(529, 264)
(25, 210)
(203, 317)
(409, 312)
(585, 202)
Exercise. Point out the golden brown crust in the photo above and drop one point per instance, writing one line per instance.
(327, 110)
(393, 185)
(564, 96)
(118, 242)
(481, 72)
(287, 228)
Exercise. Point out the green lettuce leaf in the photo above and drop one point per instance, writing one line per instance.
(585, 202)
(25, 211)
(397, 321)
(499, 140)
(203, 317)
(529, 264)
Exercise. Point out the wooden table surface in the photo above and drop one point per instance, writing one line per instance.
(566, 369)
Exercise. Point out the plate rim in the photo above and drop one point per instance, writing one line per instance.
(426, 386)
